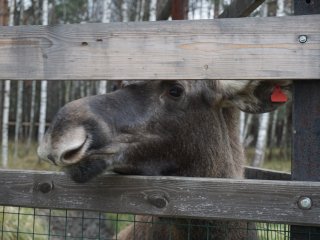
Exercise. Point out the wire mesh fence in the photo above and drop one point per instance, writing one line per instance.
(40, 224)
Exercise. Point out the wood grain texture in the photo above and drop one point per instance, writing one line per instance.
(246, 48)
(306, 129)
(274, 201)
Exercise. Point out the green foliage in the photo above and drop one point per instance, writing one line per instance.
(120, 221)
(21, 223)
(271, 231)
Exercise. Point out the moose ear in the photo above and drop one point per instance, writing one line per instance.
(255, 96)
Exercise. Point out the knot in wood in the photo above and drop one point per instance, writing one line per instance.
(158, 200)
(45, 187)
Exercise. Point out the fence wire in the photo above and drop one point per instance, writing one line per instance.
(44, 224)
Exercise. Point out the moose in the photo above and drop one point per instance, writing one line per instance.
(172, 128)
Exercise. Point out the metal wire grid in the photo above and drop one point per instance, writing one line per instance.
(44, 224)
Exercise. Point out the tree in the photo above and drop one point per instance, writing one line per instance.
(280, 8)
(19, 101)
(261, 140)
(32, 113)
(106, 16)
(179, 10)
(163, 9)
(43, 93)
(3, 12)
(6, 101)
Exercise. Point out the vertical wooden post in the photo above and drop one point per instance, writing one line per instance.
(306, 127)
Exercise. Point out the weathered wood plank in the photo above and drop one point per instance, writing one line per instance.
(306, 129)
(240, 8)
(246, 48)
(165, 196)
(265, 174)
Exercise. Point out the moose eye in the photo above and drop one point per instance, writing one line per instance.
(175, 91)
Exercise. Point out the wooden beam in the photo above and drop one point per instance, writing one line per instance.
(206, 198)
(240, 8)
(306, 129)
(247, 48)
(265, 174)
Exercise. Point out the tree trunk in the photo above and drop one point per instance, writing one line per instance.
(43, 110)
(18, 123)
(89, 9)
(3, 12)
(179, 10)
(261, 140)
(106, 17)
(132, 10)
(32, 111)
(106, 11)
(216, 9)
(273, 134)
(43, 94)
(280, 8)
(5, 123)
(6, 102)
(163, 9)
(146, 10)
(284, 135)
(153, 7)
(247, 139)
(18, 119)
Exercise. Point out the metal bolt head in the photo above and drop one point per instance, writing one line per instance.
(45, 187)
(305, 203)
(158, 200)
(303, 38)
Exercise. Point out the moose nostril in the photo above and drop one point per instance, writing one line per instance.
(51, 158)
(73, 154)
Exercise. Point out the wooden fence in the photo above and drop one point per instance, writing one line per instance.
(247, 48)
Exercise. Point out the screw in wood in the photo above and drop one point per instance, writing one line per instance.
(158, 200)
(305, 203)
(45, 187)
(303, 38)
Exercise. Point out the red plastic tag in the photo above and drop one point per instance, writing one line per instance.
(278, 96)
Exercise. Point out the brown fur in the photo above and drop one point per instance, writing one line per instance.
(142, 129)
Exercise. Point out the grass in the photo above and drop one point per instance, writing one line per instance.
(21, 223)
(277, 162)
(27, 159)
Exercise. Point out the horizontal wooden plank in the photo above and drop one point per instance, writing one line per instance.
(275, 201)
(244, 48)
(265, 174)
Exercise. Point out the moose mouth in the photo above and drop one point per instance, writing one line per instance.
(85, 170)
